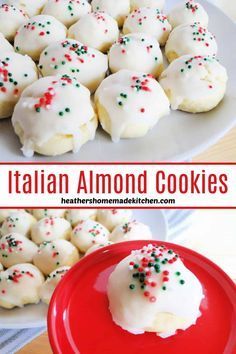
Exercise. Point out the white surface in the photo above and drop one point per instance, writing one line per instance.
(176, 137)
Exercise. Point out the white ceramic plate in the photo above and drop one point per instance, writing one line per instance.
(35, 315)
(179, 136)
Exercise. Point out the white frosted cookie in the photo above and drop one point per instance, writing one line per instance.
(150, 21)
(11, 18)
(188, 12)
(146, 289)
(87, 233)
(70, 57)
(117, 9)
(110, 218)
(97, 30)
(194, 83)
(55, 254)
(53, 116)
(31, 8)
(15, 249)
(20, 285)
(51, 283)
(190, 39)
(18, 222)
(16, 73)
(129, 104)
(136, 51)
(4, 213)
(74, 216)
(49, 229)
(67, 11)
(37, 33)
(130, 231)
(97, 246)
(5, 46)
(156, 4)
(43, 213)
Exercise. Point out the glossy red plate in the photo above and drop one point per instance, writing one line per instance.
(79, 320)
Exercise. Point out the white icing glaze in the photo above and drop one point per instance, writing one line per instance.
(87, 233)
(67, 11)
(49, 229)
(170, 300)
(188, 12)
(4, 213)
(110, 218)
(190, 39)
(37, 33)
(117, 9)
(133, 102)
(16, 248)
(51, 283)
(18, 222)
(43, 213)
(5, 46)
(97, 30)
(136, 51)
(55, 254)
(66, 108)
(130, 231)
(194, 83)
(70, 57)
(31, 8)
(150, 21)
(20, 285)
(74, 216)
(11, 18)
(97, 246)
(156, 4)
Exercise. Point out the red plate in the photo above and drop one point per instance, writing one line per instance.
(79, 320)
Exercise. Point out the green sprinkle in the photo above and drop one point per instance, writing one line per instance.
(38, 109)
(67, 110)
(132, 286)
(164, 288)
(178, 274)
(61, 114)
(182, 281)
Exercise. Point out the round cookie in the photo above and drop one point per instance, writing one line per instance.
(16, 249)
(190, 39)
(4, 213)
(54, 115)
(16, 73)
(43, 213)
(130, 231)
(124, 53)
(87, 233)
(55, 254)
(75, 216)
(117, 9)
(147, 288)
(188, 12)
(97, 246)
(5, 46)
(150, 21)
(18, 222)
(31, 8)
(70, 57)
(20, 285)
(110, 218)
(129, 104)
(11, 18)
(36, 34)
(67, 11)
(51, 283)
(194, 83)
(50, 229)
(97, 30)
(156, 4)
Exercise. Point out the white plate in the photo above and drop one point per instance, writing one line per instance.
(32, 316)
(179, 136)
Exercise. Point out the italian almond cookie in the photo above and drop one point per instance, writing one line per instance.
(150, 21)
(31, 8)
(53, 279)
(15, 249)
(129, 104)
(87, 65)
(75, 216)
(190, 39)
(136, 51)
(5, 46)
(97, 30)
(88, 233)
(11, 18)
(36, 34)
(16, 73)
(20, 285)
(110, 218)
(163, 299)
(194, 83)
(156, 4)
(18, 222)
(53, 116)
(67, 11)
(54, 254)
(97, 246)
(188, 12)
(50, 229)
(117, 9)
(43, 213)
(130, 231)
